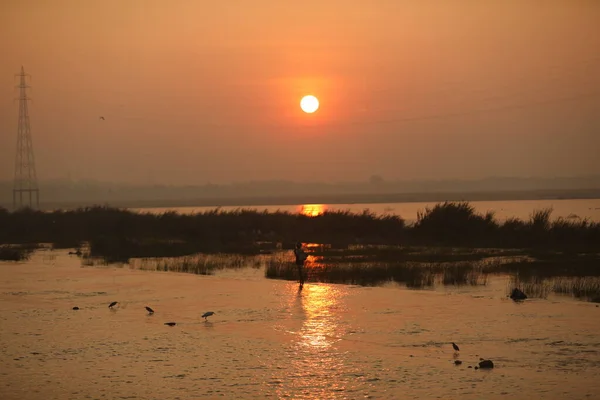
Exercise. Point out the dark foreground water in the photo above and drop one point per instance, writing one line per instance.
(267, 340)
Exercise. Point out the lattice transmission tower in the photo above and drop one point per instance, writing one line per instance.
(25, 186)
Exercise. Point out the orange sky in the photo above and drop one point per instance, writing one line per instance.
(196, 91)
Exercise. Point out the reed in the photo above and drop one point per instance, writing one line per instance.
(120, 234)
(532, 286)
(411, 274)
(201, 264)
(582, 287)
(16, 252)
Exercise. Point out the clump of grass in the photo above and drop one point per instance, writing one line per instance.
(88, 261)
(585, 287)
(120, 234)
(411, 274)
(582, 287)
(280, 268)
(553, 264)
(533, 287)
(16, 252)
(539, 220)
(200, 264)
(454, 222)
(458, 274)
(387, 253)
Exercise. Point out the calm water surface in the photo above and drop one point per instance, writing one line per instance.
(267, 340)
(587, 208)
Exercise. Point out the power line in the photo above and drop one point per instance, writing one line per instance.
(395, 120)
(450, 115)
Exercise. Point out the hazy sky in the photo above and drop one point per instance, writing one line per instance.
(197, 91)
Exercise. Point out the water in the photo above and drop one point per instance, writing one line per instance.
(582, 208)
(267, 340)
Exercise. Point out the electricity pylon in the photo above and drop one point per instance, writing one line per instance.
(25, 184)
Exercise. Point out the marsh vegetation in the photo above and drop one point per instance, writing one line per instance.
(123, 233)
(449, 244)
(19, 252)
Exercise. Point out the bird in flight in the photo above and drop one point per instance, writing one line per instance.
(207, 314)
(150, 311)
(111, 305)
(102, 118)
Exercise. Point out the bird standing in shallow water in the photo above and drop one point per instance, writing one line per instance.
(111, 305)
(207, 314)
(455, 347)
(150, 311)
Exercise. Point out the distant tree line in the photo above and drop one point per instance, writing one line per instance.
(132, 234)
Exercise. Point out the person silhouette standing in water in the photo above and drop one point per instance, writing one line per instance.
(301, 257)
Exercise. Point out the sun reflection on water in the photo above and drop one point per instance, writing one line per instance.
(314, 356)
(320, 327)
(313, 210)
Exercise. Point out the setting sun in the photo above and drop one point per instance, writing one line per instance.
(309, 104)
(312, 210)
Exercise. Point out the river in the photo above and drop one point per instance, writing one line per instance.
(268, 340)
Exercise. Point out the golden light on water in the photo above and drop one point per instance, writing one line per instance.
(312, 210)
(320, 329)
(314, 350)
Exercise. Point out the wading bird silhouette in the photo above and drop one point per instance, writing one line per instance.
(207, 314)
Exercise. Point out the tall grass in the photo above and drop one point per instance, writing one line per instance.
(411, 274)
(16, 252)
(201, 264)
(123, 234)
(454, 223)
(586, 287)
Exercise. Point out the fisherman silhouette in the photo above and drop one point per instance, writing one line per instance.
(301, 257)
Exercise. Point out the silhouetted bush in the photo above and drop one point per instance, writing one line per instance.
(16, 253)
(122, 234)
(455, 224)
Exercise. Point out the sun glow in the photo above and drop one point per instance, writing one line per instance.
(312, 210)
(309, 104)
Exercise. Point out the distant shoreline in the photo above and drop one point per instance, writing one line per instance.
(359, 198)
